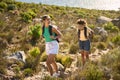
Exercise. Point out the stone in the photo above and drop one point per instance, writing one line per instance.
(102, 32)
(20, 56)
(116, 22)
(103, 19)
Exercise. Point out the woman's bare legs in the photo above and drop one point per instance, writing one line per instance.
(51, 60)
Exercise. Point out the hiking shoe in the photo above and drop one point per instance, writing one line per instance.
(56, 75)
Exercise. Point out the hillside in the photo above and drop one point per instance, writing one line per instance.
(18, 20)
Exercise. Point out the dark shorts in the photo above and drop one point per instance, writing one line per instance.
(84, 45)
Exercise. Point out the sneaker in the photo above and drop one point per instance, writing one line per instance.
(56, 75)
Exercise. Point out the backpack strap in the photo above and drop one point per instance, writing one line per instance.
(50, 30)
(85, 32)
(43, 27)
(78, 33)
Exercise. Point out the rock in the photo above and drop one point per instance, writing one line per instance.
(105, 51)
(37, 20)
(20, 56)
(44, 66)
(102, 32)
(103, 19)
(116, 22)
(60, 67)
(107, 73)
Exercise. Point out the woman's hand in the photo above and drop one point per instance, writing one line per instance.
(52, 37)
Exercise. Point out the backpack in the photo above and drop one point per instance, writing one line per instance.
(50, 31)
(90, 36)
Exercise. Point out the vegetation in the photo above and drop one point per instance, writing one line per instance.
(109, 26)
(34, 52)
(17, 29)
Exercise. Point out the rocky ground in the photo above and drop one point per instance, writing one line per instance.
(94, 57)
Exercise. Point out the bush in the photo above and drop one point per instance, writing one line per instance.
(3, 5)
(9, 1)
(101, 45)
(43, 57)
(16, 70)
(3, 65)
(111, 57)
(92, 26)
(116, 40)
(11, 7)
(28, 72)
(59, 58)
(35, 31)
(110, 26)
(112, 60)
(96, 38)
(34, 52)
(73, 49)
(1, 10)
(29, 62)
(90, 72)
(93, 73)
(51, 78)
(28, 16)
(66, 61)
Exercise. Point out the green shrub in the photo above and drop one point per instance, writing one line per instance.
(110, 26)
(35, 31)
(3, 5)
(116, 67)
(34, 52)
(29, 62)
(66, 61)
(1, 10)
(9, 1)
(3, 64)
(28, 16)
(59, 58)
(110, 58)
(11, 7)
(93, 73)
(43, 57)
(51, 78)
(91, 26)
(101, 45)
(73, 49)
(32, 13)
(28, 72)
(16, 70)
(96, 38)
(116, 40)
(18, 77)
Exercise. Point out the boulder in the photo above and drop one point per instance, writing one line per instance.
(102, 32)
(44, 66)
(20, 56)
(116, 22)
(103, 19)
